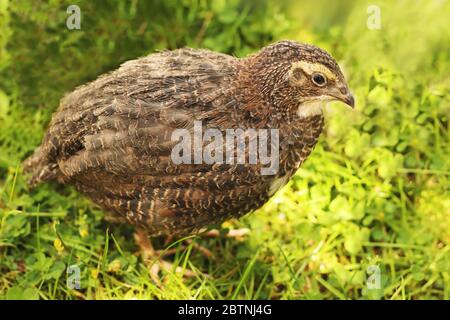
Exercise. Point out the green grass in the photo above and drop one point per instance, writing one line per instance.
(374, 192)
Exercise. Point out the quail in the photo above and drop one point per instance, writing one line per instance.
(112, 138)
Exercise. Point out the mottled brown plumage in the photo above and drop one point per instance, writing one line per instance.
(111, 138)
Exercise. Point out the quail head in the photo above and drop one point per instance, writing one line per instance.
(113, 138)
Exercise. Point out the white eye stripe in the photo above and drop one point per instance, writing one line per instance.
(311, 68)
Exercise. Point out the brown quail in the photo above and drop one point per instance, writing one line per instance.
(112, 138)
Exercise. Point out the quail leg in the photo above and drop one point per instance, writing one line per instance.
(237, 234)
(153, 259)
(206, 252)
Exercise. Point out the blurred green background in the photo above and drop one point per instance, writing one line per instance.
(375, 192)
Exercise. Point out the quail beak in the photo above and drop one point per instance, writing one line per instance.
(344, 95)
(349, 100)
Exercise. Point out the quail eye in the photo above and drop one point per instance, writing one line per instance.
(319, 79)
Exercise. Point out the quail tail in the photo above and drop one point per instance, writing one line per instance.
(39, 169)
